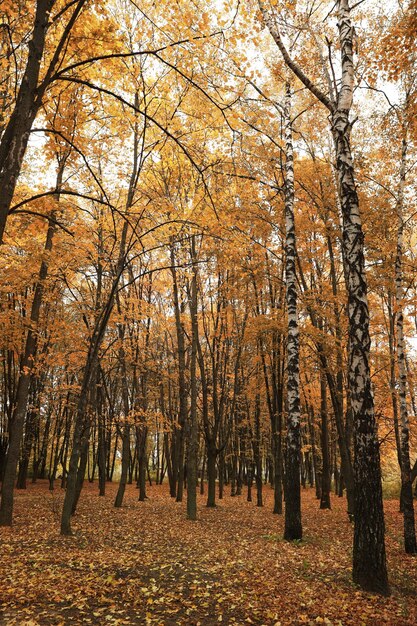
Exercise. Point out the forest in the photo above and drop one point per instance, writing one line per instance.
(208, 312)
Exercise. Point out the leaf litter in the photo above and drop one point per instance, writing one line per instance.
(147, 564)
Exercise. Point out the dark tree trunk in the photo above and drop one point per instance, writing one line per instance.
(26, 368)
(28, 102)
(325, 479)
(84, 456)
(182, 387)
(125, 465)
(143, 462)
(27, 444)
(221, 474)
(277, 450)
(211, 474)
(250, 481)
(203, 471)
(192, 451)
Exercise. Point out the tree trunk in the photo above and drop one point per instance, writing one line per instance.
(211, 474)
(84, 457)
(192, 450)
(410, 543)
(28, 440)
(28, 102)
(182, 389)
(125, 465)
(257, 451)
(293, 527)
(369, 560)
(277, 450)
(325, 478)
(81, 423)
(27, 363)
(16, 135)
(143, 461)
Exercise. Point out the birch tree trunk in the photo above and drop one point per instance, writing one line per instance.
(410, 543)
(293, 527)
(369, 560)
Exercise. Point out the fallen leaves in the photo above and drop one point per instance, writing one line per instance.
(146, 564)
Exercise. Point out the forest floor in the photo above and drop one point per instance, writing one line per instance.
(146, 564)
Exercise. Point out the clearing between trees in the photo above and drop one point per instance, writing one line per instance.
(146, 564)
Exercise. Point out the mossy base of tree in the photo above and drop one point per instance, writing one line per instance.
(293, 536)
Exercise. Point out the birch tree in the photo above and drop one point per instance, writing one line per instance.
(293, 527)
(410, 543)
(369, 560)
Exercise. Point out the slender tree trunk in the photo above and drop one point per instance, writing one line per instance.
(277, 450)
(325, 479)
(81, 423)
(182, 389)
(125, 465)
(222, 470)
(84, 457)
(142, 460)
(344, 433)
(101, 438)
(257, 451)
(410, 543)
(170, 469)
(203, 471)
(28, 441)
(293, 527)
(192, 450)
(211, 474)
(249, 482)
(80, 428)
(393, 378)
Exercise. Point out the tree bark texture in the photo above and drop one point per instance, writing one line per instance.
(293, 527)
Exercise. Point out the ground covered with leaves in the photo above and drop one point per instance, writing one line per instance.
(146, 564)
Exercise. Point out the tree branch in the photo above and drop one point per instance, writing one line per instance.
(294, 67)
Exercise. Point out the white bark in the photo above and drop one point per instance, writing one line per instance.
(369, 561)
(406, 491)
(293, 528)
